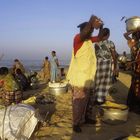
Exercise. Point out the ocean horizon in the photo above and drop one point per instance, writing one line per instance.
(29, 65)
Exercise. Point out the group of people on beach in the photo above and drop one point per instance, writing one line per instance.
(93, 63)
(16, 80)
(50, 68)
(92, 66)
(12, 83)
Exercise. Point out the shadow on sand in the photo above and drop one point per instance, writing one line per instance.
(103, 131)
(100, 131)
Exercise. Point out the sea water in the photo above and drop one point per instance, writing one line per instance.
(31, 65)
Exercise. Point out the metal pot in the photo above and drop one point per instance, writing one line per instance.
(122, 59)
(58, 88)
(133, 23)
(114, 115)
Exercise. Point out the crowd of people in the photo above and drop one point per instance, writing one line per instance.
(15, 80)
(94, 67)
(49, 70)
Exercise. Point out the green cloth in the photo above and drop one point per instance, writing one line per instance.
(10, 84)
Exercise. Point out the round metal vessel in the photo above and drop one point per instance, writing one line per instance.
(114, 115)
(58, 88)
(122, 59)
(133, 23)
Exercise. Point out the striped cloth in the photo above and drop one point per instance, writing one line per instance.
(102, 79)
(12, 97)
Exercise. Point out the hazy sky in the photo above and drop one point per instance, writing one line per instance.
(31, 29)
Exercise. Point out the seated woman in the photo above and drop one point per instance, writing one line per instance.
(18, 65)
(22, 80)
(10, 88)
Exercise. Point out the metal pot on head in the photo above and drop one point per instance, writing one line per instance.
(114, 115)
(122, 59)
(133, 23)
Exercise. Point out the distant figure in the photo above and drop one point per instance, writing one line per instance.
(22, 80)
(133, 99)
(105, 53)
(54, 67)
(124, 53)
(18, 65)
(10, 88)
(46, 70)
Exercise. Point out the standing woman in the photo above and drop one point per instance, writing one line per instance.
(54, 67)
(82, 70)
(133, 99)
(46, 70)
(105, 53)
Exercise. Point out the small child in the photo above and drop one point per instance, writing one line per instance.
(10, 88)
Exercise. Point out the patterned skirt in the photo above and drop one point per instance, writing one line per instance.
(80, 100)
(133, 99)
(103, 79)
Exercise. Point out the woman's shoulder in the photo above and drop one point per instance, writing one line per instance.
(110, 43)
(77, 38)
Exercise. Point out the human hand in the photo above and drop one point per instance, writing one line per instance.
(131, 43)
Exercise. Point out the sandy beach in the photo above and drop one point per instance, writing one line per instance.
(57, 125)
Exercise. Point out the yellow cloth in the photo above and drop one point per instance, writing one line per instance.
(30, 100)
(46, 70)
(115, 105)
(133, 138)
(82, 68)
(10, 83)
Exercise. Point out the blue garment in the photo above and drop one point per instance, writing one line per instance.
(54, 68)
